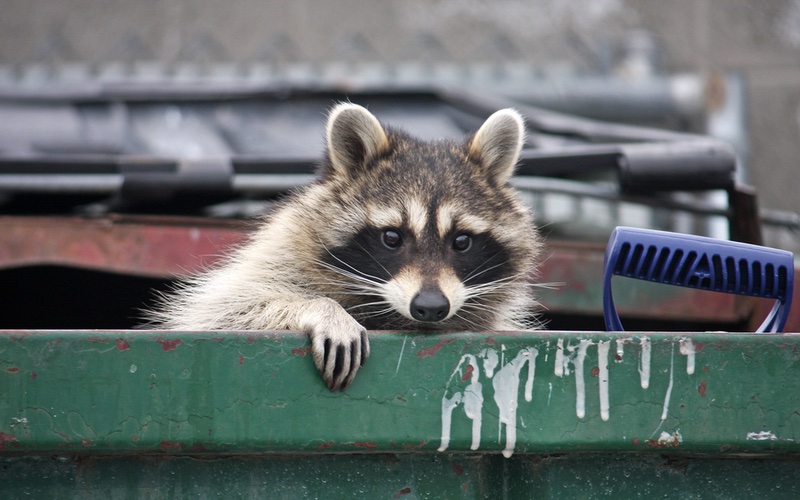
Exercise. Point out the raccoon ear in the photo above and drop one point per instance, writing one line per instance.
(354, 136)
(498, 142)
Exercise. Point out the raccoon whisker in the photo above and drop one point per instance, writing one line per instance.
(489, 259)
(473, 307)
(362, 278)
(373, 258)
(469, 323)
(347, 286)
(360, 273)
(486, 288)
(555, 285)
(355, 273)
(368, 304)
(376, 314)
(474, 275)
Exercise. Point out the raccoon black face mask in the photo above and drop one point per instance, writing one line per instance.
(397, 233)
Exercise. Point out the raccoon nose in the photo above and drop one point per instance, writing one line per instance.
(429, 306)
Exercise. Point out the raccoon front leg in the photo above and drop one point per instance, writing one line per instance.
(339, 344)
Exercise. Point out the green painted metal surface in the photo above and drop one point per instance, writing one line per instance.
(400, 476)
(550, 392)
(122, 414)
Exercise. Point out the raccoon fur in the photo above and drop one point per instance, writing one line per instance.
(396, 233)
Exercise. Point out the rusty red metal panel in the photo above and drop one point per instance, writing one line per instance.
(142, 246)
(165, 247)
(578, 269)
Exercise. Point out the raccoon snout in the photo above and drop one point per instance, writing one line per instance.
(429, 306)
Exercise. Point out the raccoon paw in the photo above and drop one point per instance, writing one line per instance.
(339, 349)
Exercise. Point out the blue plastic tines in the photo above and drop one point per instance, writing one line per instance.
(699, 262)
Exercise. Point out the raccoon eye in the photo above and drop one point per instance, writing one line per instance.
(392, 239)
(462, 243)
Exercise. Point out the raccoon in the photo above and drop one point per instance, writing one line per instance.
(396, 233)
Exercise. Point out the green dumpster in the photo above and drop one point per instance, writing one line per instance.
(463, 415)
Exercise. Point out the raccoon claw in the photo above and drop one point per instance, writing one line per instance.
(339, 356)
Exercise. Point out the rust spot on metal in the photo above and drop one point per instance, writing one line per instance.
(34, 375)
(169, 345)
(97, 340)
(241, 360)
(491, 340)
(13, 369)
(702, 388)
(7, 438)
(404, 491)
(457, 468)
(635, 441)
(365, 444)
(595, 371)
(86, 443)
(673, 442)
(467, 373)
(402, 399)
(433, 350)
(197, 447)
(617, 357)
(302, 351)
(171, 446)
(325, 446)
(122, 345)
(251, 339)
(135, 438)
(421, 444)
(65, 436)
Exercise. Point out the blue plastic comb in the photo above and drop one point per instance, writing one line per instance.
(699, 262)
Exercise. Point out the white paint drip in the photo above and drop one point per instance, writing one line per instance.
(402, 350)
(472, 398)
(506, 393)
(559, 363)
(580, 384)
(670, 439)
(473, 403)
(531, 371)
(644, 363)
(602, 363)
(448, 405)
(761, 436)
(668, 394)
(620, 350)
(687, 349)
(549, 392)
(489, 361)
(669, 387)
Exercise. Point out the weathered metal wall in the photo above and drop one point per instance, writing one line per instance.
(154, 399)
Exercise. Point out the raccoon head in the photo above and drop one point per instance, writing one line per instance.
(424, 234)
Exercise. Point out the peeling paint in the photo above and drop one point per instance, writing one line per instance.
(580, 383)
(169, 345)
(401, 492)
(7, 438)
(761, 436)
(687, 349)
(506, 384)
(644, 362)
(602, 361)
(433, 350)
